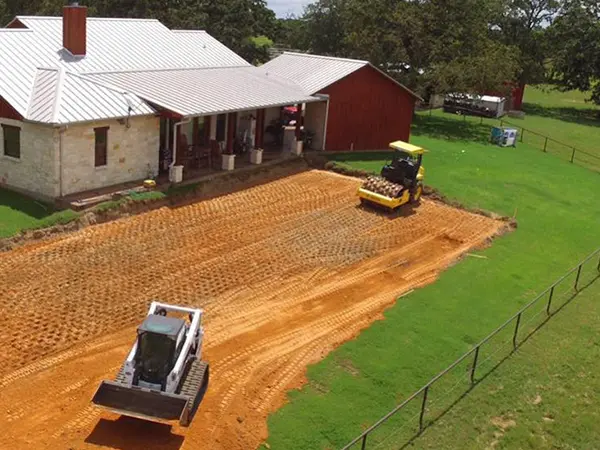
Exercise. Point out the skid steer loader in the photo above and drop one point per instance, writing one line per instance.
(163, 377)
(401, 180)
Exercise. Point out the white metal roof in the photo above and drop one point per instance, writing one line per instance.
(132, 44)
(112, 45)
(41, 107)
(193, 92)
(314, 72)
(60, 97)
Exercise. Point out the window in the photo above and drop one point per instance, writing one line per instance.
(100, 152)
(12, 141)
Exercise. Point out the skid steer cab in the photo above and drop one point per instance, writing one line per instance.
(163, 377)
(401, 180)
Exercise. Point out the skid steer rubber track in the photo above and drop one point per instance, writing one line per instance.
(194, 387)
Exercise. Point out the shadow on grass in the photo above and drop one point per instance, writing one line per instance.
(26, 205)
(481, 378)
(451, 129)
(582, 116)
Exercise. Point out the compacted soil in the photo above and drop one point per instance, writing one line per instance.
(285, 272)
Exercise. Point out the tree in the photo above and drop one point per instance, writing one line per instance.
(523, 24)
(11, 8)
(575, 36)
(256, 49)
(429, 45)
(325, 26)
(291, 32)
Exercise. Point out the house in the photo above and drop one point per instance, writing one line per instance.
(87, 103)
(366, 108)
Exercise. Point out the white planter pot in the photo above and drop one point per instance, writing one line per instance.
(297, 150)
(228, 162)
(256, 156)
(176, 174)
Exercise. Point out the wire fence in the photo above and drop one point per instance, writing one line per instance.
(545, 143)
(408, 420)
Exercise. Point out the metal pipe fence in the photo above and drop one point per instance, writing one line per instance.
(436, 397)
(545, 143)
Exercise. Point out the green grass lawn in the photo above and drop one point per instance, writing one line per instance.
(545, 396)
(566, 117)
(556, 207)
(18, 212)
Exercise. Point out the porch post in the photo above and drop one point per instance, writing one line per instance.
(207, 125)
(298, 120)
(213, 128)
(231, 123)
(195, 133)
(180, 150)
(260, 127)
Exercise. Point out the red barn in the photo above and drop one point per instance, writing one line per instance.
(365, 109)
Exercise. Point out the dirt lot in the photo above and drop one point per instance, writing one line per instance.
(285, 271)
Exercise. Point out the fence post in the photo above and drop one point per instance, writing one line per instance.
(545, 144)
(516, 331)
(474, 366)
(423, 408)
(550, 300)
(522, 133)
(578, 274)
(364, 442)
(573, 155)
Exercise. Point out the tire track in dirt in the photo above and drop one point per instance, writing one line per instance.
(285, 271)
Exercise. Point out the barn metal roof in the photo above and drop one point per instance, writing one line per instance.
(30, 60)
(314, 72)
(194, 92)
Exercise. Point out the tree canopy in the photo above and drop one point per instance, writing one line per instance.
(575, 40)
(430, 45)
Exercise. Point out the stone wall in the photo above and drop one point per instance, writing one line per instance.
(132, 154)
(36, 171)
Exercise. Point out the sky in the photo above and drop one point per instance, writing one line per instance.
(285, 7)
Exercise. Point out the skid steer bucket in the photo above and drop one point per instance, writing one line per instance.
(141, 403)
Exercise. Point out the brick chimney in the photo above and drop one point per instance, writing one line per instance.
(74, 28)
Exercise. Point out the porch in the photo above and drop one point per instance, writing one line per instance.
(211, 116)
(197, 146)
